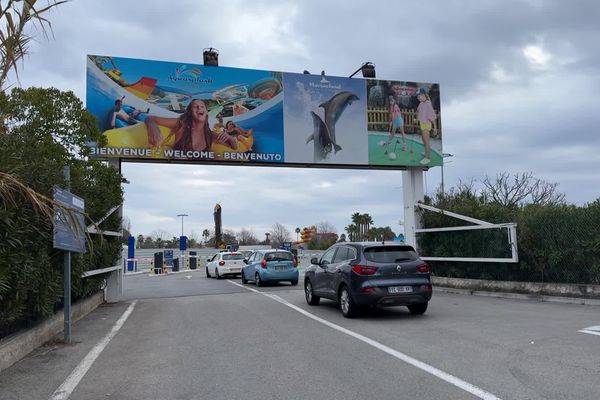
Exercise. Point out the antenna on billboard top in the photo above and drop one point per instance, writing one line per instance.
(211, 57)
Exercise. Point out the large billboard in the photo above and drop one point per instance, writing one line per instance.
(167, 111)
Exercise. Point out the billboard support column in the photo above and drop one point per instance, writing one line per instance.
(412, 188)
(116, 163)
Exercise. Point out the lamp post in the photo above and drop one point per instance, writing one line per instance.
(182, 252)
(182, 215)
(368, 70)
(444, 155)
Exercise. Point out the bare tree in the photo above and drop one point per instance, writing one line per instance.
(126, 223)
(325, 227)
(279, 234)
(247, 237)
(160, 234)
(521, 188)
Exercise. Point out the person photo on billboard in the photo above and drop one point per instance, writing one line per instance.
(191, 129)
(120, 114)
(238, 133)
(396, 123)
(427, 122)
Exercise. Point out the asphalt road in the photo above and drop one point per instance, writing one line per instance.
(189, 337)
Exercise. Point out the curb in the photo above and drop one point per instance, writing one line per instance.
(518, 296)
(15, 347)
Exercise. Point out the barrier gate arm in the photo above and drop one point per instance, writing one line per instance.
(93, 228)
(479, 224)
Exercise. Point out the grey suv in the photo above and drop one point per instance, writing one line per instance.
(369, 273)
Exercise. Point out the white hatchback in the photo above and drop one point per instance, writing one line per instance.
(225, 263)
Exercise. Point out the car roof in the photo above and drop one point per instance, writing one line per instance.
(376, 244)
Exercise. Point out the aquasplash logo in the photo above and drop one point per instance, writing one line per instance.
(185, 73)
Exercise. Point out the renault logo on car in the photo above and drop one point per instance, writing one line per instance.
(399, 268)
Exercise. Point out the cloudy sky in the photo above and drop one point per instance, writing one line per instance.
(519, 84)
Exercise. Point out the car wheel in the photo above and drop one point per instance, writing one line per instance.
(257, 280)
(294, 282)
(207, 273)
(217, 273)
(418, 309)
(347, 305)
(244, 280)
(311, 299)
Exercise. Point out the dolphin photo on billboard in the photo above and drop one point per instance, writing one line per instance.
(324, 119)
(404, 123)
(183, 112)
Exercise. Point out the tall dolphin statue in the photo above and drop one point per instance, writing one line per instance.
(334, 108)
(321, 138)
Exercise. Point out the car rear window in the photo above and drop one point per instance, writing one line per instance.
(279, 256)
(390, 254)
(233, 256)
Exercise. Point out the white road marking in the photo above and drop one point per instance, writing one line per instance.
(438, 373)
(67, 387)
(591, 330)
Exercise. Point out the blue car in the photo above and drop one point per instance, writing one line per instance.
(273, 265)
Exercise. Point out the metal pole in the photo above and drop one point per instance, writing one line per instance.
(67, 275)
(443, 178)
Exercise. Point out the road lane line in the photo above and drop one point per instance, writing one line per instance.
(589, 332)
(438, 373)
(69, 385)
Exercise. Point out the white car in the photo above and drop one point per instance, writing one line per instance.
(225, 263)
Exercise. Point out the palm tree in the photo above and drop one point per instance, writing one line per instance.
(352, 232)
(356, 220)
(205, 234)
(17, 17)
(368, 221)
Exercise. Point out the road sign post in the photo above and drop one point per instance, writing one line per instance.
(69, 235)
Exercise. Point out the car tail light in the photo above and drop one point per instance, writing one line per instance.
(427, 287)
(424, 268)
(368, 290)
(221, 263)
(263, 264)
(364, 270)
(295, 262)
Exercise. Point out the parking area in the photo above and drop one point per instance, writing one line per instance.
(191, 337)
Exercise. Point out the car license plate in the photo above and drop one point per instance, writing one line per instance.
(400, 289)
(280, 267)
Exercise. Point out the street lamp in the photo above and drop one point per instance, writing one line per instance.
(368, 70)
(211, 57)
(182, 215)
(444, 155)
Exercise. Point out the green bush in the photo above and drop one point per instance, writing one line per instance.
(556, 242)
(45, 130)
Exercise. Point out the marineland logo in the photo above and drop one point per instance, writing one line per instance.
(189, 74)
(324, 84)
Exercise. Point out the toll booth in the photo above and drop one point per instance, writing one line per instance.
(158, 262)
(193, 260)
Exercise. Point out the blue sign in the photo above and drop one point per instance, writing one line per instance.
(130, 252)
(286, 246)
(69, 228)
(182, 243)
(168, 257)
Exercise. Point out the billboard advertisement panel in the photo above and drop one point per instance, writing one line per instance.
(166, 111)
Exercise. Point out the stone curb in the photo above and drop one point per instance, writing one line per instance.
(550, 292)
(15, 347)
